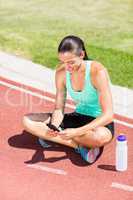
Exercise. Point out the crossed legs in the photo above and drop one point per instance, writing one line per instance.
(35, 123)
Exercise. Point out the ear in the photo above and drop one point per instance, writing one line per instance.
(82, 54)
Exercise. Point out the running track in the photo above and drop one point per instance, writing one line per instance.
(28, 171)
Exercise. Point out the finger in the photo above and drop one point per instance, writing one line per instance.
(51, 132)
(53, 135)
(56, 132)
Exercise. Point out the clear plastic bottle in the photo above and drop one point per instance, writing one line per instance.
(121, 153)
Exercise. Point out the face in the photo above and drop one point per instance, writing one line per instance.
(70, 61)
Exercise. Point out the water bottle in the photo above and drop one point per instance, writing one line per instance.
(121, 153)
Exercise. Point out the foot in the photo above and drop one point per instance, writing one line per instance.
(88, 154)
(46, 145)
(43, 143)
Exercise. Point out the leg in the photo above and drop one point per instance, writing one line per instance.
(94, 141)
(36, 124)
(98, 138)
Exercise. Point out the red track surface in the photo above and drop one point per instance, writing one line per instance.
(18, 149)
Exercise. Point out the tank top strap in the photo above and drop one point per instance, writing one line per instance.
(68, 82)
(88, 69)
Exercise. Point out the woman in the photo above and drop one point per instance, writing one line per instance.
(91, 125)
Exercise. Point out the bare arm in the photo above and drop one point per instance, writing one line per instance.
(60, 100)
(105, 98)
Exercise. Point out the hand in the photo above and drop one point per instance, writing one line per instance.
(52, 130)
(68, 133)
(52, 133)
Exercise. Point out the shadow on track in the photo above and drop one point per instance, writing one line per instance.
(28, 141)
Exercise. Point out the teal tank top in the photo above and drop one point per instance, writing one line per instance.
(87, 100)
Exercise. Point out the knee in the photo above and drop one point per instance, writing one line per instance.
(27, 123)
(103, 136)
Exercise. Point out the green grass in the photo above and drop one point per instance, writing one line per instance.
(34, 28)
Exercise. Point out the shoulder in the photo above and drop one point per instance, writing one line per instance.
(97, 67)
(98, 72)
(60, 75)
(60, 72)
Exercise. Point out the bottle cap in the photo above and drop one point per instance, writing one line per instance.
(121, 138)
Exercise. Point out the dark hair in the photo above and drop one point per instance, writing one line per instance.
(72, 44)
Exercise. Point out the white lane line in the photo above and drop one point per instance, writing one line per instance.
(51, 99)
(25, 91)
(123, 123)
(48, 169)
(122, 186)
(31, 93)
